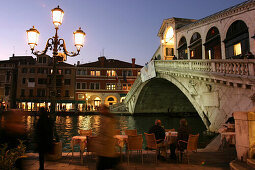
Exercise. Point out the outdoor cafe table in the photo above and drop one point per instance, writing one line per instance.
(171, 137)
(122, 140)
(82, 141)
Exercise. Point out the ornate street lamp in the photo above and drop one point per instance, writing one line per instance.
(55, 44)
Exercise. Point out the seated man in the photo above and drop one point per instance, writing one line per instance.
(160, 137)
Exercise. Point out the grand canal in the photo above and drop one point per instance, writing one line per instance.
(68, 126)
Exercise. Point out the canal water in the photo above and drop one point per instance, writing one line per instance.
(68, 126)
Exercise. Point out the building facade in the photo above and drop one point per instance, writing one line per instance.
(8, 79)
(35, 88)
(106, 81)
(228, 34)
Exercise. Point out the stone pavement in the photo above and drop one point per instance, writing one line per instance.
(199, 160)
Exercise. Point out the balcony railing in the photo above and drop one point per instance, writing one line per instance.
(230, 67)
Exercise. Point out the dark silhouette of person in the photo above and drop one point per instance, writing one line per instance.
(183, 134)
(44, 135)
(159, 132)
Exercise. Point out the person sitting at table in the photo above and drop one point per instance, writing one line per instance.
(159, 132)
(183, 134)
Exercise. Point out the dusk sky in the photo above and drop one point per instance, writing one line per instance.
(125, 29)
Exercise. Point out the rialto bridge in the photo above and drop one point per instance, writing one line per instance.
(212, 88)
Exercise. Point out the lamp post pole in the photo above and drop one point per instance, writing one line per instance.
(55, 44)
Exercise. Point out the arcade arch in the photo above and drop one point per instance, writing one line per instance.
(213, 44)
(182, 49)
(110, 100)
(237, 40)
(195, 46)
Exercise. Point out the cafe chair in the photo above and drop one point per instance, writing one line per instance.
(91, 145)
(85, 132)
(191, 146)
(131, 132)
(151, 143)
(135, 143)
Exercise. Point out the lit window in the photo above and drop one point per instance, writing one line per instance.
(209, 54)
(192, 53)
(111, 73)
(97, 73)
(110, 86)
(237, 49)
(124, 87)
(92, 73)
(129, 86)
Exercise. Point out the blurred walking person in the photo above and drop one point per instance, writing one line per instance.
(44, 135)
(107, 157)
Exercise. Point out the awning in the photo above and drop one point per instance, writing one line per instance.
(195, 43)
(211, 39)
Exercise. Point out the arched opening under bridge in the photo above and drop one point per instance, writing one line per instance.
(161, 96)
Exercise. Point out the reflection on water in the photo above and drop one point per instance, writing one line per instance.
(68, 126)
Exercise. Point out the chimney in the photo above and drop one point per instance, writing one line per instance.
(78, 63)
(133, 62)
(102, 60)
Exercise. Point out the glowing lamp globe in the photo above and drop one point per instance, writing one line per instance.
(79, 38)
(32, 37)
(57, 16)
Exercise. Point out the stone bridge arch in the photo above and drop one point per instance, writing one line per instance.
(165, 94)
(205, 87)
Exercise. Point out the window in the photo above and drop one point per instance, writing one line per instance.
(59, 71)
(31, 93)
(83, 72)
(22, 93)
(78, 86)
(97, 73)
(58, 82)
(41, 92)
(92, 73)
(83, 85)
(127, 73)
(67, 71)
(110, 99)
(111, 73)
(210, 54)
(78, 72)
(92, 85)
(24, 81)
(44, 59)
(129, 86)
(7, 91)
(42, 81)
(31, 79)
(67, 93)
(67, 81)
(192, 53)
(110, 86)
(124, 86)
(237, 49)
(32, 70)
(169, 51)
(24, 70)
(58, 93)
(97, 85)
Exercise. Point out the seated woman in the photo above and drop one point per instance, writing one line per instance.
(183, 134)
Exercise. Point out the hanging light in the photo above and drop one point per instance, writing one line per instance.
(32, 37)
(57, 16)
(79, 38)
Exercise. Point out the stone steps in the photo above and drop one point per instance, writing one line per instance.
(237, 165)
